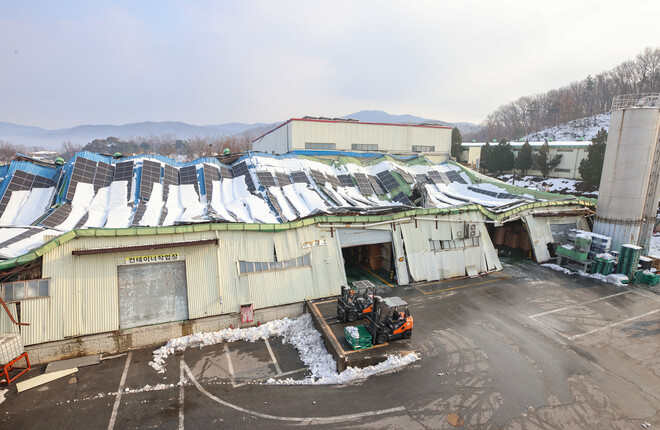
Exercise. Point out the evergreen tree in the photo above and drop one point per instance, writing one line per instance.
(484, 156)
(524, 159)
(456, 144)
(591, 167)
(501, 157)
(542, 161)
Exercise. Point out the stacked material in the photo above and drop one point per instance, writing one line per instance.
(646, 263)
(11, 346)
(649, 278)
(570, 252)
(628, 260)
(599, 244)
(358, 337)
(603, 264)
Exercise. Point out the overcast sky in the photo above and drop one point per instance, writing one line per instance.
(66, 63)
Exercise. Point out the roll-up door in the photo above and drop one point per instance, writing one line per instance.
(355, 237)
(152, 293)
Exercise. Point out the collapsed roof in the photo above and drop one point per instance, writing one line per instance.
(94, 191)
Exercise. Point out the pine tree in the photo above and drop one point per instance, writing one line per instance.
(456, 144)
(542, 161)
(484, 156)
(501, 157)
(524, 159)
(591, 168)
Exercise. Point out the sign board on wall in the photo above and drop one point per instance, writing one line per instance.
(174, 256)
(309, 244)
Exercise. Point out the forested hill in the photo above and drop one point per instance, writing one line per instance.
(588, 97)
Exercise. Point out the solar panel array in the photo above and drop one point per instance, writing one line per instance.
(58, 216)
(170, 177)
(211, 173)
(402, 198)
(83, 171)
(363, 183)
(276, 204)
(124, 172)
(104, 175)
(283, 179)
(20, 181)
(345, 180)
(388, 180)
(406, 176)
(455, 176)
(226, 172)
(266, 179)
(319, 177)
(333, 180)
(494, 193)
(436, 177)
(376, 185)
(150, 176)
(300, 177)
(422, 179)
(241, 169)
(188, 176)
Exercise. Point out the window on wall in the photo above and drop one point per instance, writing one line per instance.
(248, 267)
(562, 170)
(423, 148)
(443, 245)
(24, 290)
(364, 147)
(564, 150)
(316, 145)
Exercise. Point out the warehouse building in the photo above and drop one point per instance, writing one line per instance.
(106, 247)
(572, 154)
(324, 134)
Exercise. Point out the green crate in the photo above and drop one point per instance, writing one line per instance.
(362, 341)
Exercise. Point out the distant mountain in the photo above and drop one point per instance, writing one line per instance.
(582, 128)
(52, 139)
(384, 117)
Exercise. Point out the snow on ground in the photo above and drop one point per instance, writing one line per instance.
(579, 128)
(612, 279)
(2, 395)
(299, 332)
(654, 248)
(552, 185)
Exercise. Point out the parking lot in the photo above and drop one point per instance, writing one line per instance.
(524, 348)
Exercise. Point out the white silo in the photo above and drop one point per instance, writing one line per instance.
(629, 190)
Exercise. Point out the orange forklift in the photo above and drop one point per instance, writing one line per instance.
(389, 319)
(355, 302)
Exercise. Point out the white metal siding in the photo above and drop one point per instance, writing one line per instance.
(540, 233)
(355, 236)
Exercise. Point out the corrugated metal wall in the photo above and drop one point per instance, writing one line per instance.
(84, 294)
(540, 234)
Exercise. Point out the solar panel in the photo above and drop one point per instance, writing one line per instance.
(188, 176)
(275, 204)
(423, 179)
(435, 177)
(103, 177)
(170, 177)
(20, 181)
(139, 213)
(83, 171)
(333, 180)
(402, 198)
(266, 179)
(455, 176)
(300, 177)
(345, 180)
(150, 176)
(211, 173)
(82, 220)
(226, 172)
(29, 232)
(124, 172)
(388, 180)
(406, 176)
(42, 182)
(163, 215)
(376, 185)
(58, 216)
(241, 169)
(363, 183)
(283, 179)
(319, 177)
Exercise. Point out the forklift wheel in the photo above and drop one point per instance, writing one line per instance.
(407, 334)
(341, 315)
(352, 316)
(381, 338)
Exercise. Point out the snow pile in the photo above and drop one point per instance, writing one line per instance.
(614, 278)
(605, 256)
(551, 185)
(299, 332)
(82, 198)
(154, 208)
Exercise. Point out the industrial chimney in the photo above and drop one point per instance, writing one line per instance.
(629, 191)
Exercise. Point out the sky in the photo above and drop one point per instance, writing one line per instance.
(68, 63)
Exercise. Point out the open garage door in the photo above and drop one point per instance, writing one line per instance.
(368, 254)
(152, 294)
